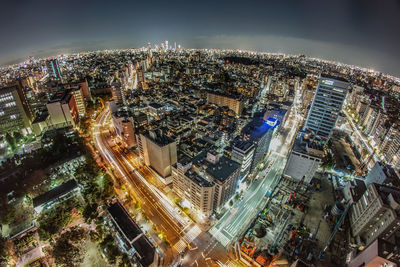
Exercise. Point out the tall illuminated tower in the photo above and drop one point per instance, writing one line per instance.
(53, 69)
(327, 103)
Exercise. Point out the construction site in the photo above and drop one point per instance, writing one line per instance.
(298, 222)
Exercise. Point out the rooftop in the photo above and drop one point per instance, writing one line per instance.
(128, 227)
(256, 129)
(145, 250)
(60, 96)
(55, 193)
(391, 175)
(221, 170)
(337, 78)
(223, 93)
(357, 189)
(305, 140)
(158, 137)
(199, 180)
(379, 248)
(155, 105)
(41, 117)
(242, 145)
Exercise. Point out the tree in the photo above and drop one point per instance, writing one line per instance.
(112, 253)
(3, 251)
(11, 141)
(108, 187)
(68, 249)
(125, 261)
(75, 234)
(54, 219)
(17, 136)
(7, 213)
(89, 212)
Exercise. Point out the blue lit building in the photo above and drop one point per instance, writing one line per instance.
(260, 133)
(53, 69)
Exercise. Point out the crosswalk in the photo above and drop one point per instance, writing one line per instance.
(180, 246)
(192, 234)
(231, 264)
(223, 239)
(187, 238)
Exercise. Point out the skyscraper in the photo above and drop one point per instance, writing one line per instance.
(63, 110)
(15, 112)
(159, 152)
(243, 153)
(326, 105)
(53, 69)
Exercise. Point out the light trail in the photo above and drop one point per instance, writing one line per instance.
(233, 223)
(157, 203)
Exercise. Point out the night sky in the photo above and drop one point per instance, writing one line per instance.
(359, 32)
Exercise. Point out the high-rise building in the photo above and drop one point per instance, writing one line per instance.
(117, 93)
(15, 112)
(79, 101)
(83, 87)
(376, 214)
(276, 113)
(223, 171)
(53, 69)
(243, 153)
(225, 100)
(260, 133)
(63, 110)
(159, 152)
(304, 159)
(382, 173)
(379, 253)
(372, 120)
(207, 181)
(192, 186)
(391, 147)
(327, 103)
(124, 127)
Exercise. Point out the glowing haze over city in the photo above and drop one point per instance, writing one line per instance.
(208, 133)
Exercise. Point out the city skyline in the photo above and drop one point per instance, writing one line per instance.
(200, 134)
(356, 32)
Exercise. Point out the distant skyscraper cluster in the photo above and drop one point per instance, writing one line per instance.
(53, 69)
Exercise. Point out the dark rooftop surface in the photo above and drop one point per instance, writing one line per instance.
(391, 176)
(304, 140)
(60, 96)
(192, 175)
(198, 179)
(41, 117)
(155, 105)
(256, 129)
(145, 249)
(129, 228)
(221, 170)
(242, 145)
(358, 189)
(158, 137)
(55, 193)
